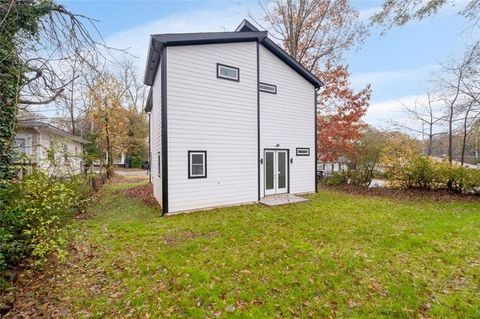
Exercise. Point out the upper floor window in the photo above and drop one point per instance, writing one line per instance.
(197, 164)
(228, 72)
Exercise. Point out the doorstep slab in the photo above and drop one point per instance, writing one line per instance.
(281, 199)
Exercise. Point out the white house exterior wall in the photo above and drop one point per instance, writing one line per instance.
(156, 137)
(287, 120)
(210, 114)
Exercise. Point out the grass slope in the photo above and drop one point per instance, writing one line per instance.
(337, 255)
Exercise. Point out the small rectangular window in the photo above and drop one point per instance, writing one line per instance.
(228, 72)
(197, 164)
(303, 151)
(159, 165)
(268, 88)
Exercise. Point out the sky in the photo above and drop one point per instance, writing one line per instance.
(398, 64)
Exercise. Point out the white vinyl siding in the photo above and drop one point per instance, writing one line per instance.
(218, 116)
(156, 174)
(287, 119)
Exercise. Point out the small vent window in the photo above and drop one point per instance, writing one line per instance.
(228, 72)
(303, 151)
(268, 88)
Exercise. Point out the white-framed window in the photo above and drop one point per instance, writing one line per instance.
(159, 164)
(20, 145)
(197, 164)
(268, 88)
(228, 72)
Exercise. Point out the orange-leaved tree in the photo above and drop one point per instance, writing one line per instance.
(317, 33)
(339, 123)
(108, 116)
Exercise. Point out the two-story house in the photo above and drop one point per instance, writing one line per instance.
(232, 119)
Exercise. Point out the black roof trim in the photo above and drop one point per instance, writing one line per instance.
(246, 26)
(291, 62)
(246, 31)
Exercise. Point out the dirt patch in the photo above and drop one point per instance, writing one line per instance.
(176, 239)
(404, 194)
(143, 192)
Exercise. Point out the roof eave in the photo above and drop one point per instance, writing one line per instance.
(158, 42)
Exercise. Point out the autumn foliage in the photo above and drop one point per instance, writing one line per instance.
(339, 114)
(317, 33)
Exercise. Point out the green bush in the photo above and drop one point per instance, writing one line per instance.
(358, 177)
(419, 173)
(337, 178)
(34, 214)
(456, 178)
(422, 172)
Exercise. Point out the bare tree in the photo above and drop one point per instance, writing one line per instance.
(453, 82)
(135, 90)
(471, 109)
(423, 114)
(36, 38)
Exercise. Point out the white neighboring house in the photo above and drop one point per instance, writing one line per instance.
(232, 119)
(42, 146)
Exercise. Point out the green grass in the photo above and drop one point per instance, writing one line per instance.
(337, 255)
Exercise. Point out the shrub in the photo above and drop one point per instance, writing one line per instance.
(358, 177)
(456, 178)
(34, 214)
(337, 178)
(419, 172)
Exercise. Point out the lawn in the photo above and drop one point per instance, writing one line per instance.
(337, 255)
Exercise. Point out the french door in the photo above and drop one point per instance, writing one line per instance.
(276, 171)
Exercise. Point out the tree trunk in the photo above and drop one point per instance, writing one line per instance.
(450, 135)
(109, 150)
(464, 141)
(430, 140)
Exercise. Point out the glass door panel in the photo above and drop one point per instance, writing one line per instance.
(282, 172)
(269, 172)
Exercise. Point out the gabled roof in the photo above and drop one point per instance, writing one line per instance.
(159, 41)
(246, 31)
(55, 130)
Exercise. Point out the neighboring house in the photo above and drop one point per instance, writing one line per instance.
(42, 146)
(118, 160)
(328, 168)
(232, 119)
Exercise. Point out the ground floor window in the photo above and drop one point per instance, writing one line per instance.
(197, 164)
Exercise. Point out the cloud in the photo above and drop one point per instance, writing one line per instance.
(136, 40)
(381, 114)
(383, 79)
